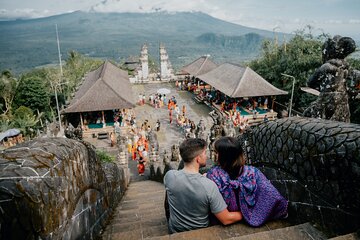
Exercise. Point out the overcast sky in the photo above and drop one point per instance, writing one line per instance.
(329, 16)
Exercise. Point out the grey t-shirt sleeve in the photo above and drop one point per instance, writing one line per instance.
(168, 176)
(217, 203)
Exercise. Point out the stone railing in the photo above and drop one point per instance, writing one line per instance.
(56, 188)
(315, 164)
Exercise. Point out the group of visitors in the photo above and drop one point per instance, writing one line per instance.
(138, 145)
(141, 99)
(157, 100)
(187, 126)
(229, 192)
(230, 107)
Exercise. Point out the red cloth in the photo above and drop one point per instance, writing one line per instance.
(141, 168)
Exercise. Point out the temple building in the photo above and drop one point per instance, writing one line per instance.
(103, 92)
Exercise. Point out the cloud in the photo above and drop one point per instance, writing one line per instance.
(152, 6)
(23, 13)
(354, 21)
(280, 14)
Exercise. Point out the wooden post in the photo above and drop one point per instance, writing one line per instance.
(273, 102)
(81, 121)
(103, 119)
(38, 113)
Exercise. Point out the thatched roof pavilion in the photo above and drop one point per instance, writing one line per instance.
(199, 66)
(237, 81)
(105, 88)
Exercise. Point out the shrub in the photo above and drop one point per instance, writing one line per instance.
(104, 156)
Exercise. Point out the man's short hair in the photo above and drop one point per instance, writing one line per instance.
(191, 148)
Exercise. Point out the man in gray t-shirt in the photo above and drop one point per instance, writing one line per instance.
(191, 196)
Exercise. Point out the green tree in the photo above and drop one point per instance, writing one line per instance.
(32, 92)
(5, 123)
(77, 65)
(25, 120)
(299, 58)
(8, 85)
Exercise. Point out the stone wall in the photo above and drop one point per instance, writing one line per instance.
(316, 165)
(56, 188)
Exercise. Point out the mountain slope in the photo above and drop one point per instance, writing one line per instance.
(28, 43)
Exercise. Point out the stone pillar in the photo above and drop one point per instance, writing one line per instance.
(154, 155)
(166, 71)
(144, 60)
(122, 156)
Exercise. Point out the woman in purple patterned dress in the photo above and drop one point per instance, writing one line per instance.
(245, 188)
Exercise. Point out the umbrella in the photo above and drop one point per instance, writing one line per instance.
(163, 91)
(9, 133)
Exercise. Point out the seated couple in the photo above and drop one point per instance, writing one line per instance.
(230, 191)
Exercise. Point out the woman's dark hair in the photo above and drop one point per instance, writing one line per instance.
(229, 151)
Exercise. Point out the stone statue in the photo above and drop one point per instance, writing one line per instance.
(331, 80)
(175, 153)
(229, 129)
(54, 129)
(216, 131)
(166, 158)
(73, 133)
(200, 130)
(153, 140)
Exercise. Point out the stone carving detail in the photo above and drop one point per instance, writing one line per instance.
(153, 147)
(229, 129)
(56, 188)
(200, 131)
(52, 129)
(122, 156)
(314, 163)
(175, 153)
(153, 140)
(331, 80)
(216, 131)
(73, 133)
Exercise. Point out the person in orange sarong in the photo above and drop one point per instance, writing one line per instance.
(141, 167)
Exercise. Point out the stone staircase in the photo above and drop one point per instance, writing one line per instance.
(141, 215)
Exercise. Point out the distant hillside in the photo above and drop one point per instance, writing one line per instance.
(248, 44)
(25, 44)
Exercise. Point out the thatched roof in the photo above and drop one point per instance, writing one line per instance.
(106, 88)
(236, 81)
(199, 66)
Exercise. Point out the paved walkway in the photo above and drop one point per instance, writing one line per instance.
(170, 134)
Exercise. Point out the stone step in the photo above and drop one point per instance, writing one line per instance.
(225, 232)
(303, 231)
(351, 236)
(140, 214)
